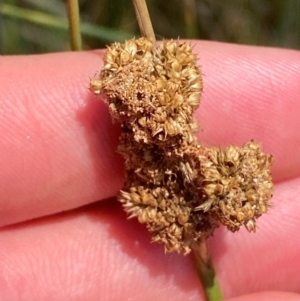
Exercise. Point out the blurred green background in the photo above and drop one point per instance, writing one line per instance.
(39, 26)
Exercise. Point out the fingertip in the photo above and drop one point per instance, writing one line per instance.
(267, 296)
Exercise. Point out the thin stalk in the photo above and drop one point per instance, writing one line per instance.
(144, 20)
(74, 25)
(190, 18)
(206, 272)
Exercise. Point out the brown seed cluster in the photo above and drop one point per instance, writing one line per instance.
(181, 190)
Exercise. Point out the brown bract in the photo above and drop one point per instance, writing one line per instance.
(181, 190)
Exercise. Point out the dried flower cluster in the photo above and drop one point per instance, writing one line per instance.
(180, 189)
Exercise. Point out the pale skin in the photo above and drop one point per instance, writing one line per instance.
(58, 153)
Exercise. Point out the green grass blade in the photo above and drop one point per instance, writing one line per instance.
(44, 19)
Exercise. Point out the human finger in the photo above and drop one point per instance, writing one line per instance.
(58, 146)
(94, 253)
(267, 296)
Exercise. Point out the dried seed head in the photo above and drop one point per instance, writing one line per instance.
(239, 185)
(162, 84)
(179, 189)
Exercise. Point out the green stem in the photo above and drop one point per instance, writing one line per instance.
(190, 18)
(206, 272)
(74, 24)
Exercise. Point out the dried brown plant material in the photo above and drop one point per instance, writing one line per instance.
(181, 190)
(237, 185)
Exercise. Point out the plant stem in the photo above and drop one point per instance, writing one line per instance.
(74, 25)
(144, 20)
(207, 272)
(190, 18)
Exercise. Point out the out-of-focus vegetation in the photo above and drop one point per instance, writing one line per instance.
(38, 26)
